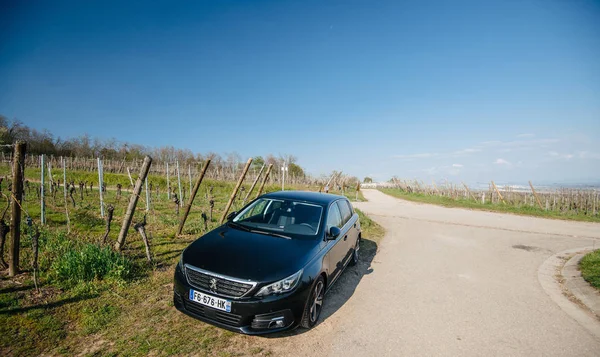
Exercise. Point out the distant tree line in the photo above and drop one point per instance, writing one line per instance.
(44, 142)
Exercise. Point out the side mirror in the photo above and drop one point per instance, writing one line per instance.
(231, 215)
(333, 233)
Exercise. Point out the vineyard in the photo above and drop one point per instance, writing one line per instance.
(75, 285)
(565, 203)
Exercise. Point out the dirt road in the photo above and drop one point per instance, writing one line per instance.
(451, 282)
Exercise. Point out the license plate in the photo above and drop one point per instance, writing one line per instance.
(210, 301)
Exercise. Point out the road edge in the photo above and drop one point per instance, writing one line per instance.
(581, 289)
(556, 285)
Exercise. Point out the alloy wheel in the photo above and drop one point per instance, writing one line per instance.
(317, 304)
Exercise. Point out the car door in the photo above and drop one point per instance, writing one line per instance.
(354, 226)
(337, 248)
(348, 238)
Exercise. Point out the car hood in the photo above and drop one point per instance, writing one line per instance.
(246, 255)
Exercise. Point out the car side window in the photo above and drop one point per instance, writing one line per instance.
(257, 209)
(334, 219)
(345, 211)
(350, 206)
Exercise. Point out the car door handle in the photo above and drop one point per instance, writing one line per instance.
(346, 237)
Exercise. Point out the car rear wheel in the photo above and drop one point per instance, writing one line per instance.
(312, 311)
(355, 253)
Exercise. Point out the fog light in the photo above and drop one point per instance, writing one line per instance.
(273, 320)
(276, 323)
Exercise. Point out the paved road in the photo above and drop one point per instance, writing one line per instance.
(451, 282)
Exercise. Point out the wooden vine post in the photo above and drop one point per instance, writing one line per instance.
(168, 184)
(101, 184)
(262, 185)
(253, 185)
(17, 195)
(192, 196)
(498, 192)
(535, 195)
(147, 194)
(435, 187)
(129, 174)
(65, 194)
(469, 191)
(235, 190)
(42, 193)
(132, 203)
(179, 186)
(190, 177)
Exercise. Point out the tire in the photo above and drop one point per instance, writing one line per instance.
(355, 255)
(313, 308)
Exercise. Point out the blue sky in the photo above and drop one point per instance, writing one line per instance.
(457, 90)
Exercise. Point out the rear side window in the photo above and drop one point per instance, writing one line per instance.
(334, 219)
(344, 210)
(350, 207)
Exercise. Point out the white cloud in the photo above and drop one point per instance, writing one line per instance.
(426, 155)
(491, 143)
(588, 155)
(431, 170)
(415, 156)
(525, 135)
(501, 162)
(465, 151)
(581, 155)
(457, 165)
(521, 144)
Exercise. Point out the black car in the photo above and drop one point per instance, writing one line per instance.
(269, 266)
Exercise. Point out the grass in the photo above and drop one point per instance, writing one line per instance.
(88, 263)
(525, 210)
(370, 228)
(93, 301)
(354, 196)
(590, 268)
(371, 234)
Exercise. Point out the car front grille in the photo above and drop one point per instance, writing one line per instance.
(216, 315)
(224, 286)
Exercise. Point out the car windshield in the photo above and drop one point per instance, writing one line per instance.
(281, 216)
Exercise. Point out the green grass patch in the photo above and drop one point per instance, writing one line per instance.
(96, 318)
(525, 210)
(354, 196)
(370, 229)
(371, 234)
(28, 333)
(590, 268)
(90, 262)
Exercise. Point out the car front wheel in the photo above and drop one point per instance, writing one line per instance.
(312, 311)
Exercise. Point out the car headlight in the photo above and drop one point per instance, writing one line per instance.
(281, 286)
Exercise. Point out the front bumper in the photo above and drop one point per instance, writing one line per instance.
(252, 315)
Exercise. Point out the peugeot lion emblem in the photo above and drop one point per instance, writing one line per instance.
(213, 285)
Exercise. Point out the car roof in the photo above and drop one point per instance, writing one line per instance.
(307, 196)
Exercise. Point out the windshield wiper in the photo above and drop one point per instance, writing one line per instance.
(240, 226)
(247, 229)
(270, 234)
